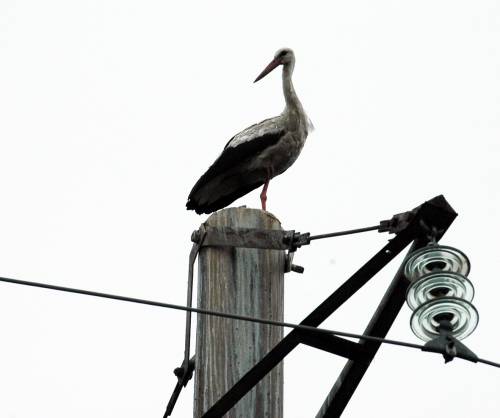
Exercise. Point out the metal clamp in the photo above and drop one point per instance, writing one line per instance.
(449, 346)
(269, 239)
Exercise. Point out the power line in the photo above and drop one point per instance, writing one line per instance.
(206, 312)
(222, 314)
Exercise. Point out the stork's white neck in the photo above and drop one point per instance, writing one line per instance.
(291, 99)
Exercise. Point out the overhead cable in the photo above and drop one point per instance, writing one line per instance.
(223, 315)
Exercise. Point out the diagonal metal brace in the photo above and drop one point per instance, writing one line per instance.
(333, 344)
(435, 214)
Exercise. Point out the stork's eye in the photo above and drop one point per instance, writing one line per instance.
(282, 53)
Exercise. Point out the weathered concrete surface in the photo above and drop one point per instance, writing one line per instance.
(247, 282)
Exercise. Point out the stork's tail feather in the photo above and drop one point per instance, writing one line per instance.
(202, 201)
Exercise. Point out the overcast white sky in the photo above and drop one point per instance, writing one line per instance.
(109, 112)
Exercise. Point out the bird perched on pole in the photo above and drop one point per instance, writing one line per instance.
(254, 156)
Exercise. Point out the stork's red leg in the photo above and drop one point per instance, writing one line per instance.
(263, 194)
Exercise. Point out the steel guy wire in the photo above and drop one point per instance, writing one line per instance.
(348, 232)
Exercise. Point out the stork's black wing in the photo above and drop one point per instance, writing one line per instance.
(240, 149)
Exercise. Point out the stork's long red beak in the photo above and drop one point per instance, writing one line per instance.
(271, 66)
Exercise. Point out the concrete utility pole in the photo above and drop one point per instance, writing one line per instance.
(246, 282)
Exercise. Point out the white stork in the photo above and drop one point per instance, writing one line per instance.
(257, 154)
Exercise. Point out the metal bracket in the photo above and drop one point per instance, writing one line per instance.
(269, 239)
(398, 222)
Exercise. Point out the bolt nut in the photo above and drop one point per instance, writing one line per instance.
(195, 236)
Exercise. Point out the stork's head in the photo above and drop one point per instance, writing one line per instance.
(283, 56)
